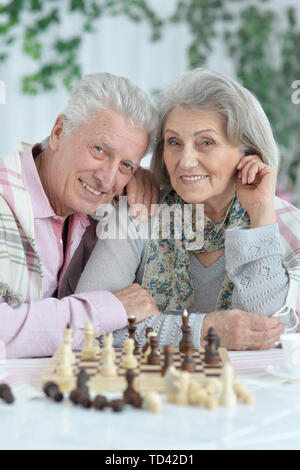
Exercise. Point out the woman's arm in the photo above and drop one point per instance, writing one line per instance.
(254, 263)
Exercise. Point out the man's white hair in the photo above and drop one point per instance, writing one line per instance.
(102, 91)
(245, 122)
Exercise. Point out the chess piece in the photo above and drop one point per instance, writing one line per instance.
(90, 352)
(108, 344)
(82, 380)
(129, 360)
(6, 394)
(186, 333)
(171, 382)
(182, 397)
(131, 329)
(78, 398)
(64, 368)
(108, 368)
(210, 402)
(154, 357)
(130, 395)
(168, 359)
(100, 402)
(153, 402)
(147, 344)
(213, 385)
(116, 405)
(188, 363)
(211, 349)
(52, 391)
(242, 393)
(68, 340)
(228, 396)
(197, 395)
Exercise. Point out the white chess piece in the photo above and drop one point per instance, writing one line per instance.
(170, 380)
(89, 351)
(129, 360)
(148, 350)
(153, 402)
(64, 368)
(108, 344)
(182, 395)
(108, 368)
(68, 340)
(228, 396)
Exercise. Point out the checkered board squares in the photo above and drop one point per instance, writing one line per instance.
(148, 377)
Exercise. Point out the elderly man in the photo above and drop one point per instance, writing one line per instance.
(47, 191)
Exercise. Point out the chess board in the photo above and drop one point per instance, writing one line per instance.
(148, 377)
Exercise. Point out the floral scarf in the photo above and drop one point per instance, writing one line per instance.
(167, 275)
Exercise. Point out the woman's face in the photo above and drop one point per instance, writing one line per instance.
(200, 159)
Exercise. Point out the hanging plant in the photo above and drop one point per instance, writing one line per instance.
(265, 53)
(30, 22)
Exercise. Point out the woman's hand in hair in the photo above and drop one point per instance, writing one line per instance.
(255, 189)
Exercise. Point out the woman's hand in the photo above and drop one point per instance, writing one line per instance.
(240, 330)
(142, 194)
(255, 189)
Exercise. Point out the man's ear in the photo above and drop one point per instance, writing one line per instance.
(57, 132)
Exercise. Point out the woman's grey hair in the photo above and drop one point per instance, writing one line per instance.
(246, 123)
(104, 90)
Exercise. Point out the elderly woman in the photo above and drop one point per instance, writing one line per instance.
(47, 191)
(246, 272)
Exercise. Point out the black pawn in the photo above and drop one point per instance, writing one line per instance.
(211, 349)
(52, 391)
(131, 329)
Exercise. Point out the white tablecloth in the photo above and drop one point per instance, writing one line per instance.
(271, 422)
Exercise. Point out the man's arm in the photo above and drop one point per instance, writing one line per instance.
(36, 329)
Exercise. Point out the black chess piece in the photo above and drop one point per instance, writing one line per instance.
(168, 359)
(6, 394)
(186, 333)
(154, 357)
(131, 329)
(51, 389)
(130, 395)
(211, 349)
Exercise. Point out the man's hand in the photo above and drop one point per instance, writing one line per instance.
(137, 302)
(240, 330)
(142, 191)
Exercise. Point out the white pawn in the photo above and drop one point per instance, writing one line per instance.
(68, 340)
(148, 350)
(228, 396)
(64, 368)
(182, 395)
(108, 344)
(171, 383)
(242, 393)
(129, 360)
(153, 402)
(108, 368)
(89, 351)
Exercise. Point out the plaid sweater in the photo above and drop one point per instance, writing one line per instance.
(21, 274)
(288, 219)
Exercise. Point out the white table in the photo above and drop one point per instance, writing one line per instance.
(272, 422)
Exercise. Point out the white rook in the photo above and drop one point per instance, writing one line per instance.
(2, 92)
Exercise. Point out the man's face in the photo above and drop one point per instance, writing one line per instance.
(94, 163)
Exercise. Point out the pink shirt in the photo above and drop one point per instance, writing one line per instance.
(36, 328)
